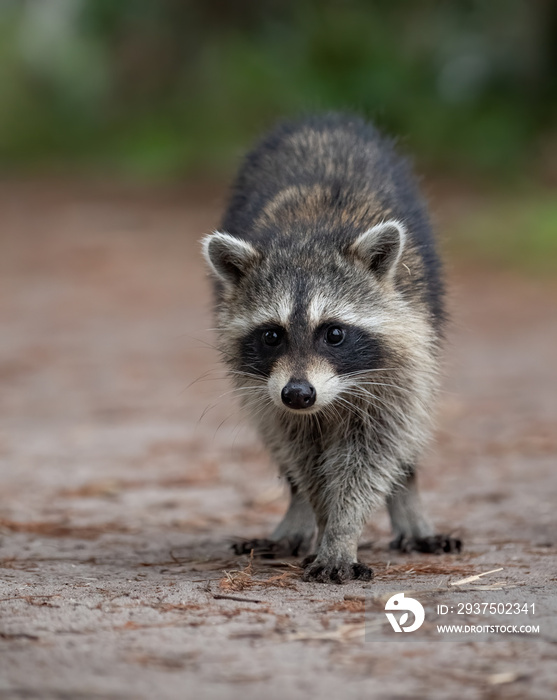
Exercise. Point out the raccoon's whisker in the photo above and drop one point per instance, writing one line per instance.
(206, 410)
(248, 391)
(221, 424)
(315, 419)
(336, 415)
(249, 413)
(327, 412)
(226, 393)
(367, 395)
(361, 390)
(373, 400)
(216, 348)
(362, 372)
(244, 397)
(255, 373)
(239, 390)
(356, 410)
(250, 375)
(394, 386)
(365, 392)
(216, 403)
(205, 378)
(239, 413)
(388, 411)
(206, 343)
(252, 411)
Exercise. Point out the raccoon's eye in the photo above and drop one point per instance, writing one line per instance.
(334, 335)
(272, 337)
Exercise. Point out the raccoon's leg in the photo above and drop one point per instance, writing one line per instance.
(298, 527)
(411, 529)
(340, 518)
(336, 558)
(293, 536)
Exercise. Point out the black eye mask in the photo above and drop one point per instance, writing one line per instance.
(261, 348)
(347, 348)
(357, 351)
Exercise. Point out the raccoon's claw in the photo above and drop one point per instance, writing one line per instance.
(260, 547)
(268, 549)
(339, 572)
(433, 544)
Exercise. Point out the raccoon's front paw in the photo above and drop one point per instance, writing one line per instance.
(433, 544)
(335, 571)
(268, 549)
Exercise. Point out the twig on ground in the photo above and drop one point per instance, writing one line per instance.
(219, 596)
(470, 579)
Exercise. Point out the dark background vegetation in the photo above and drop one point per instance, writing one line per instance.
(178, 88)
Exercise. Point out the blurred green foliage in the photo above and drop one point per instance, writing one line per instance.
(512, 232)
(160, 87)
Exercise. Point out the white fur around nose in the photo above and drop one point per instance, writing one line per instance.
(326, 383)
(320, 375)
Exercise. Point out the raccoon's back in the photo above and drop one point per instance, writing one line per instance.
(340, 152)
(362, 181)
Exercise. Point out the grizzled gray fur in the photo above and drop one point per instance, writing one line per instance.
(329, 307)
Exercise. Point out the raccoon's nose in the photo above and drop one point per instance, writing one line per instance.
(298, 394)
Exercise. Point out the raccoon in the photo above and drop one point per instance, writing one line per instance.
(330, 315)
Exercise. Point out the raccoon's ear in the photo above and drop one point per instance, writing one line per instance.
(380, 247)
(228, 257)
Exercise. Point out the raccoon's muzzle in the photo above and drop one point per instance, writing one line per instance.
(298, 394)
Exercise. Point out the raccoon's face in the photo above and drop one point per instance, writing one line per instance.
(307, 323)
(305, 362)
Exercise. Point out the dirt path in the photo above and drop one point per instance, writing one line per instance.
(119, 502)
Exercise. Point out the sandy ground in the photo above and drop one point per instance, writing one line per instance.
(121, 493)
